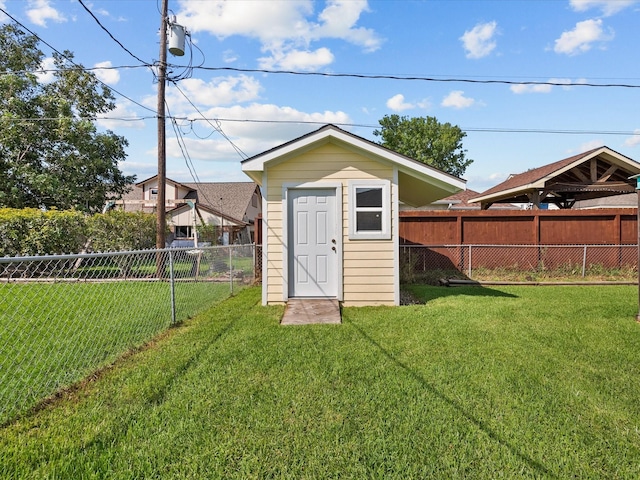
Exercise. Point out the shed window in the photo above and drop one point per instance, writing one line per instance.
(369, 210)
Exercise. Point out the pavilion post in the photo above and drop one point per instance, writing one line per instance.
(637, 179)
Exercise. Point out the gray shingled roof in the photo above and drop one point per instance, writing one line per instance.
(236, 196)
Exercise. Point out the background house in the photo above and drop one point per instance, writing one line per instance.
(231, 207)
(458, 201)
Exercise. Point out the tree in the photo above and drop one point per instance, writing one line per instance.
(51, 153)
(426, 140)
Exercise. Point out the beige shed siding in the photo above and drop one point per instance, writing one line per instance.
(368, 265)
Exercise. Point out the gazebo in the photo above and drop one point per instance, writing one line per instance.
(597, 173)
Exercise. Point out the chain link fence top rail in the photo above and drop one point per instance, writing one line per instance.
(63, 317)
(595, 263)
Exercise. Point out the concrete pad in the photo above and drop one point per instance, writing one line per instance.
(304, 311)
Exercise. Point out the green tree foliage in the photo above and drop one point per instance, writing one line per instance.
(51, 154)
(426, 140)
(208, 233)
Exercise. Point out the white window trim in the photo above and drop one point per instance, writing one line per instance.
(385, 233)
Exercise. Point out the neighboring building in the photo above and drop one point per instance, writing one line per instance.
(330, 216)
(459, 201)
(232, 207)
(625, 200)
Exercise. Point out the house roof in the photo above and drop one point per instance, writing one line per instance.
(595, 173)
(228, 219)
(150, 179)
(236, 196)
(413, 176)
(462, 201)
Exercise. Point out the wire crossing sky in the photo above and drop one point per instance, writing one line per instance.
(530, 82)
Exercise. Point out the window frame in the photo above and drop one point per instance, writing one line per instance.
(385, 210)
(189, 231)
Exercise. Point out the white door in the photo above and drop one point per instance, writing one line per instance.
(313, 255)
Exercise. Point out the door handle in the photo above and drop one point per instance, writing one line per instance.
(333, 240)
(333, 248)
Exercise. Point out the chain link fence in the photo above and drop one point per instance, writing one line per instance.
(519, 263)
(64, 317)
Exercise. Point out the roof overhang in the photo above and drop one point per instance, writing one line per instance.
(418, 184)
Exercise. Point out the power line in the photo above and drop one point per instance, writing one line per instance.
(492, 80)
(110, 35)
(187, 159)
(470, 129)
(556, 83)
(56, 119)
(79, 68)
(216, 127)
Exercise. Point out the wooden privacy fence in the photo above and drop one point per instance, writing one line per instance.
(520, 227)
(576, 241)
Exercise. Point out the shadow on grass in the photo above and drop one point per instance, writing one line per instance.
(423, 293)
(536, 466)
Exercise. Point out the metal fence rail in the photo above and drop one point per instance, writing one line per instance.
(520, 262)
(62, 317)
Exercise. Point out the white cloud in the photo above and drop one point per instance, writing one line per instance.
(582, 37)
(590, 145)
(456, 99)
(229, 56)
(527, 88)
(608, 7)
(107, 75)
(3, 17)
(247, 136)
(218, 91)
(40, 11)
(634, 140)
(397, 103)
(285, 28)
(45, 75)
(480, 40)
(298, 60)
(121, 117)
(338, 20)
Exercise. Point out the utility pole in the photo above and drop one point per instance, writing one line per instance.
(162, 146)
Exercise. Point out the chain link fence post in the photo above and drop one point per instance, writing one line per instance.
(172, 283)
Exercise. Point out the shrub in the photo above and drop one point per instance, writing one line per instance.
(31, 231)
(121, 231)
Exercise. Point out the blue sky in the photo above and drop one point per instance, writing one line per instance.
(510, 127)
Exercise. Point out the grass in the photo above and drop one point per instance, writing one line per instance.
(52, 335)
(474, 383)
(594, 273)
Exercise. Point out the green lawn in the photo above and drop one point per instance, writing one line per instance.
(508, 382)
(54, 334)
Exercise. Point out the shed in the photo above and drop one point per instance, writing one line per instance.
(330, 216)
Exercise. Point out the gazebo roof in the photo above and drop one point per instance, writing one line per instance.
(599, 172)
